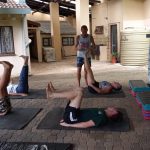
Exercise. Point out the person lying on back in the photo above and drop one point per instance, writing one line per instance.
(22, 87)
(103, 87)
(72, 114)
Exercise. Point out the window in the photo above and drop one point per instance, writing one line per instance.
(47, 41)
(68, 41)
(6, 40)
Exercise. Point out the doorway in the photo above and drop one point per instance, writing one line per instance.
(33, 45)
(113, 38)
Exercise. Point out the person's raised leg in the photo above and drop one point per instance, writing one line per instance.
(52, 86)
(23, 78)
(5, 105)
(85, 77)
(73, 95)
(5, 78)
(79, 75)
(89, 72)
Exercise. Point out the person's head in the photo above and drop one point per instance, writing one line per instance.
(116, 86)
(113, 114)
(84, 29)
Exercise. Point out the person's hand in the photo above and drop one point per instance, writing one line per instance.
(90, 84)
(64, 124)
(62, 120)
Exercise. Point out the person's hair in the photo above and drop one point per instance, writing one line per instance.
(84, 27)
(116, 117)
(117, 89)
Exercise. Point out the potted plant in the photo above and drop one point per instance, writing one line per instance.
(114, 57)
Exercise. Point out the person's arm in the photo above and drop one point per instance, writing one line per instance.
(106, 90)
(93, 43)
(77, 43)
(86, 124)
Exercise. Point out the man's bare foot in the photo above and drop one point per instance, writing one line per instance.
(25, 59)
(51, 86)
(62, 120)
(64, 124)
(7, 64)
(24, 94)
(49, 92)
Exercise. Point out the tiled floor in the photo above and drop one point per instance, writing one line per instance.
(63, 75)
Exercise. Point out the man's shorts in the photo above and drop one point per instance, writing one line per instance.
(80, 61)
(71, 114)
(91, 90)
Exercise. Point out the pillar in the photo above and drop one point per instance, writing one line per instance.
(39, 46)
(82, 15)
(55, 29)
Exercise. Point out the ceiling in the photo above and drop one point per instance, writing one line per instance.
(66, 8)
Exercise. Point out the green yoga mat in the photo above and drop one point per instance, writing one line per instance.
(53, 117)
(34, 146)
(18, 118)
(117, 94)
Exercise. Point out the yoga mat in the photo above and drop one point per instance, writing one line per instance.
(117, 94)
(34, 146)
(18, 118)
(53, 117)
(33, 94)
(138, 85)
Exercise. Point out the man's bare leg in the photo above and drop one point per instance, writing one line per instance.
(85, 77)
(5, 105)
(23, 87)
(5, 79)
(90, 76)
(26, 58)
(79, 75)
(71, 95)
(52, 86)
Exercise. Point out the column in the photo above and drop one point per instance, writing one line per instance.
(55, 29)
(39, 46)
(82, 15)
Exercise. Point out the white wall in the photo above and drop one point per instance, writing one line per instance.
(16, 61)
(133, 13)
(147, 13)
(71, 20)
(16, 21)
(109, 12)
(106, 14)
(115, 11)
(40, 17)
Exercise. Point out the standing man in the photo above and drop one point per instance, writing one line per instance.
(84, 42)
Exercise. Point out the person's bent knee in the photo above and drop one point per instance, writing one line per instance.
(79, 91)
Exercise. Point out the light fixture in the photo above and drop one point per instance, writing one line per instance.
(66, 8)
(42, 1)
(4, 1)
(73, 2)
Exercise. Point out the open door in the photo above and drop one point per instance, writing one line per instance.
(114, 38)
